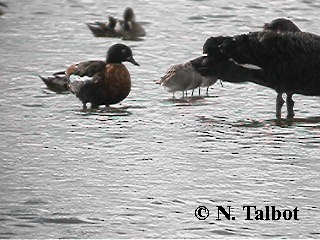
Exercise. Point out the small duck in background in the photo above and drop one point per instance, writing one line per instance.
(130, 28)
(183, 77)
(127, 28)
(107, 82)
(100, 29)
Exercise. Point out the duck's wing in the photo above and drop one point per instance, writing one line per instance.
(290, 42)
(266, 49)
(86, 85)
(85, 74)
(97, 24)
(100, 29)
(88, 68)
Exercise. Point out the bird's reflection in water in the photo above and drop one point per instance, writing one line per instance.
(282, 122)
(107, 111)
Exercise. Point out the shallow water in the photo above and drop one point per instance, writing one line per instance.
(141, 168)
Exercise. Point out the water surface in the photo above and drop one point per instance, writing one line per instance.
(141, 168)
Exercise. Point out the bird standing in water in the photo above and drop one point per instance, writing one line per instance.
(109, 81)
(287, 62)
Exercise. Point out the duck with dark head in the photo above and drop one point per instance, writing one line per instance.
(110, 81)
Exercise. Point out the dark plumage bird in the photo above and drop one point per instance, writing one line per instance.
(101, 29)
(109, 81)
(287, 62)
(127, 28)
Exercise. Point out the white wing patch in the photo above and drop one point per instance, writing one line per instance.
(77, 78)
(246, 65)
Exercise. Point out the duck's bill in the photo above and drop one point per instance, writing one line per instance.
(131, 59)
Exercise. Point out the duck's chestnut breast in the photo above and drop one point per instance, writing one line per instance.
(117, 82)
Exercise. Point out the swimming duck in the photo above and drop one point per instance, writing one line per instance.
(287, 62)
(110, 81)
(183, 77)
(281, 25)
(58, 82)
(130, 28)
(100, 29)
(127, 28)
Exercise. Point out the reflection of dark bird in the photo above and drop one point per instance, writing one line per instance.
(281, 25)
(287, 62)
(109, 81)
(127, 28)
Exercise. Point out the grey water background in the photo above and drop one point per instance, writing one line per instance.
(140, 169)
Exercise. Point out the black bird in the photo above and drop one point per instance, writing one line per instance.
(287, 62)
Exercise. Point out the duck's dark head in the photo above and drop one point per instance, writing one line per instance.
(118, 53)
(281, 25)
(128, 15)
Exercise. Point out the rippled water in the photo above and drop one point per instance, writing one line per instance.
(141, 168)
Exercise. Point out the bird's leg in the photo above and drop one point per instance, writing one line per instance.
(290, 104)
(199, 91)
(279, 105)
(207, 91)
(94, 106)
(192, 92)
(84, 106)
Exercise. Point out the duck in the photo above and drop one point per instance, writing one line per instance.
(183, 77)
(58, 82)
(128, 28)
(100, 29)
(106, 82)
(281, 25)
(285, 61)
